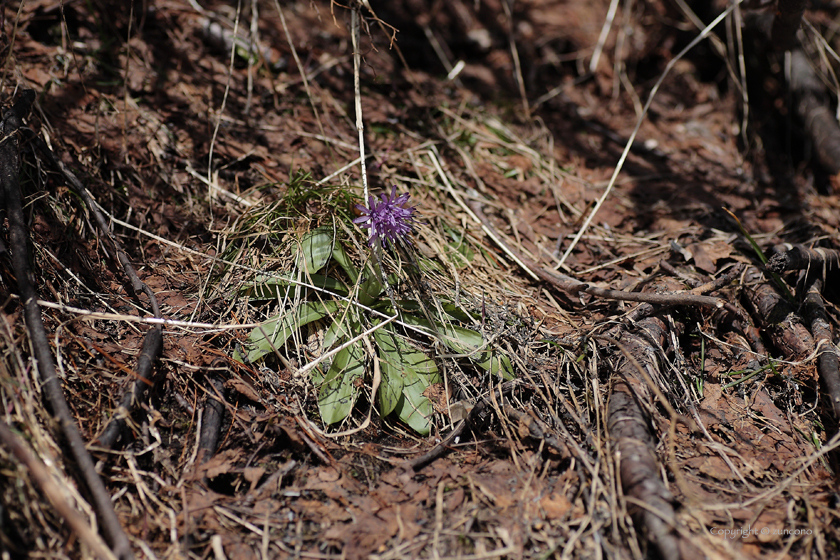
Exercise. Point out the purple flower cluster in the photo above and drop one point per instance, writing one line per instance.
(389, 219)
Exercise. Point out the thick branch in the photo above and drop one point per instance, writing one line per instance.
(628, 427)
(799, 257)
(777, 317)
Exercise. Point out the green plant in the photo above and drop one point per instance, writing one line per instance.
(326, 286)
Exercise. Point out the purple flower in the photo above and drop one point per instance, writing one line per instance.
(389, 219)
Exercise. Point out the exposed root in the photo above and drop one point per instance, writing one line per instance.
(138, 393)
(813, 107)
(651, 503)
(818, 260)
(777, 317)
(828, 365)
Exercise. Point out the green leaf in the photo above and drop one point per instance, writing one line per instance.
(458, 313)
(273, 287)
(316, 248)
(274, 332)
(449, 309)
(467, 341)
(406, 374)
(339, 390)
(390, 389)
(413, 408)
(340, 256)
(370, 288)
(343, 327)
(400, 364)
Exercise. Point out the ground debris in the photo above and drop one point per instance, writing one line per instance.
(645, 418)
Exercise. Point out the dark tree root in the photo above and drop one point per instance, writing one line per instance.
(828, 365)
(18, 247)
(817, 261)
(811, 98)
(786, 23)
(813, 108)
(152, 343)
(777, 317)
(137, 394)
(650, 503)
(211, 420)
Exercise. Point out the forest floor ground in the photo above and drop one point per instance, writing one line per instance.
(504, 159)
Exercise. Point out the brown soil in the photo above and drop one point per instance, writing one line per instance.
(138, 99)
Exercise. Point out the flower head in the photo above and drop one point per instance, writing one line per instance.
(388, 219)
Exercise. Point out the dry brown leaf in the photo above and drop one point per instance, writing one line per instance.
(243, 388)
(253, 475)
(555, 506)
(707, 253)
